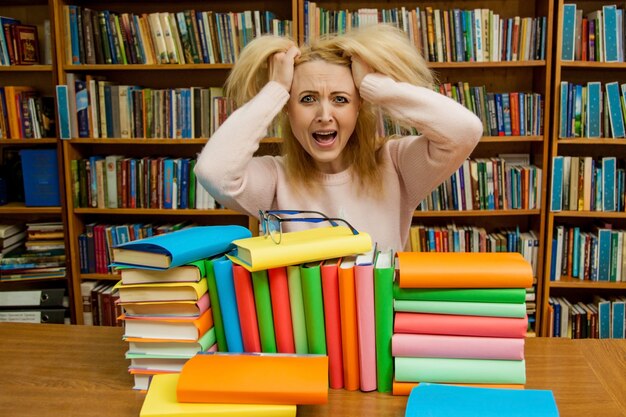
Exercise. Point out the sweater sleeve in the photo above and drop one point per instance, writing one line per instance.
(448, 132)
(226, 167)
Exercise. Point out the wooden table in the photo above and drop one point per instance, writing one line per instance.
(71, 371)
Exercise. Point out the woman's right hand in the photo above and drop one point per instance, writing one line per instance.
(281, 67)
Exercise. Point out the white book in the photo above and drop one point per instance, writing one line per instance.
(478, 34)
(164, 20)
(159, 40)
(111, 180)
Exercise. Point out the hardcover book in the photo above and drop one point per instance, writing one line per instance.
(257, 253)
(179, 247)
(27, 44)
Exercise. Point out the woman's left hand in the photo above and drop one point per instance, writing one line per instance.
(359, 70)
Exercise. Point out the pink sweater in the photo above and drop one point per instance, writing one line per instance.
(414, 165)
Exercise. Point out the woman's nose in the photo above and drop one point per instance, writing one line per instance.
(324, 113)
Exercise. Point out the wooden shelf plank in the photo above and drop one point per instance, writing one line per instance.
(20, 208)
(502, 64)
(158, 212)
(476, 213)
(567, 282)
(591, 214)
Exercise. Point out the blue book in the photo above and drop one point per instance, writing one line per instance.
(608, 183)
(594, 115)
(63, 107)
(438, 400)
(568, 32)
(576, 252)
(556, 188)
(499, 113)
(522, 113)
(178, 248)
(609, 23)
(604, 317)
(506, 112)
(604, 254)
(617, 325)
(223, 269)
(615, 109)
(168, 183)
(563, 120)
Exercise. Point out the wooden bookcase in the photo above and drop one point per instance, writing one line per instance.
(43, 78)
(579, 72)
(153, 76)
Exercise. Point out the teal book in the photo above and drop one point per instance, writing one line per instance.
(569, 32)
(618, 310)
(615, 109)
(608, 183)
(178, 248)
(609, 17)
(594, 114)
(438, 400)
(63, 112)
(563, 119)
(556, 194)
(604, 254)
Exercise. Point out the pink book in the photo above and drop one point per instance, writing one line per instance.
(332, 316)
(247, 309)
(281, 310)
(459, 347)
(364, 286)
(451, 324)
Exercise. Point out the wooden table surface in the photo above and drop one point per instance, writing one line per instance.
(71, 371)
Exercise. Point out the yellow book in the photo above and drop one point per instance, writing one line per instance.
(161, 402)
(166, 291)
(260, 252)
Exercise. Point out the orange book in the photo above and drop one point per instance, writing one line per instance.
(254, 379)
(349, 333)
(404, 388)
(464, 270)
(14, 109)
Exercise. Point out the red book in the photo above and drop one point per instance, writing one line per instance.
(332, 316)
(281, 310)
(247, 309)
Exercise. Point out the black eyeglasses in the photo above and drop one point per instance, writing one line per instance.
(271, 222)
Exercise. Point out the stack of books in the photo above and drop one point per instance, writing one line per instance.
(39, 253)
(163, 293)
(12, 236)
(460, 318)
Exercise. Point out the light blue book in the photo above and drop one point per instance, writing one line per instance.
(563, 119)
(438, 400)
(569, 32)
(556, 193)
(617, 325)
(604, 317)
(608, 183)
(223, 269)
(63, 105)
(576, 253)
(615, 109)
(178, 248)
(604, 254)
(594, 119)
(609, 20)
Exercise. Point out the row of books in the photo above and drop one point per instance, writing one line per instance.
(26, 114)
(591, 111)
(95, 243)
(454, 35)
(503, 114)
(184, 37)
(100, 303)
(585, 183)
(599, 319)
(596, 255)
(114, 181)
(593, 36)
(507, 182)
(19, 43)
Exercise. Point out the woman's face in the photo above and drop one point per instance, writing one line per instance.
(323, 108)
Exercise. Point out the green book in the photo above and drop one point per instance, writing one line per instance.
(218, 323)
(311, 278)
(263, 301)
(479, 295)
(471, 371)
(383, 309)
(463, 309)
(297, 309)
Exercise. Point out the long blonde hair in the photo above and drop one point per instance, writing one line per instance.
(384, 48)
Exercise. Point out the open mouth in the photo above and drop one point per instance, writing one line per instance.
(326, 137)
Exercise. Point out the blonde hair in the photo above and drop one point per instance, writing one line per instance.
(384, 48)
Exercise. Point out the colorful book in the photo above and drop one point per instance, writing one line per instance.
(161, 401)
(438, 400)
(257, 253)
(223, 270)
(167, 291)
(171, 348)
(461, 347)
(349, 337)
(460, 325)
(405, 388)
(246, 309)
(480, 295)
(281, 310)
(179, 247)
(614, 109)
(384, 272)
(263, 302)
(191, 272)
(478, 371)
(366, 328)
(168, 308)
(556, 203)
(218, 323)
(332, 316)
(463, 270)
(568, 32)
(297, 309)
(461, 308)
(313, 307)
(180, 328)
(254, 379)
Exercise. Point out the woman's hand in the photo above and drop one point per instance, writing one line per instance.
(359, 70)
(281, 67)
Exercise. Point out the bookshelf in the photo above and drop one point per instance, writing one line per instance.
(147, 75)
(569, 66)
(42, 78)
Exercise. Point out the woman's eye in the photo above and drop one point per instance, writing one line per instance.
(342, 100)
(307, 99)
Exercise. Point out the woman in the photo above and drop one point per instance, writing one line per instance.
(328, 96)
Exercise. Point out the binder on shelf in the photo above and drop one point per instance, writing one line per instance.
(51, 315)
(51, 297)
